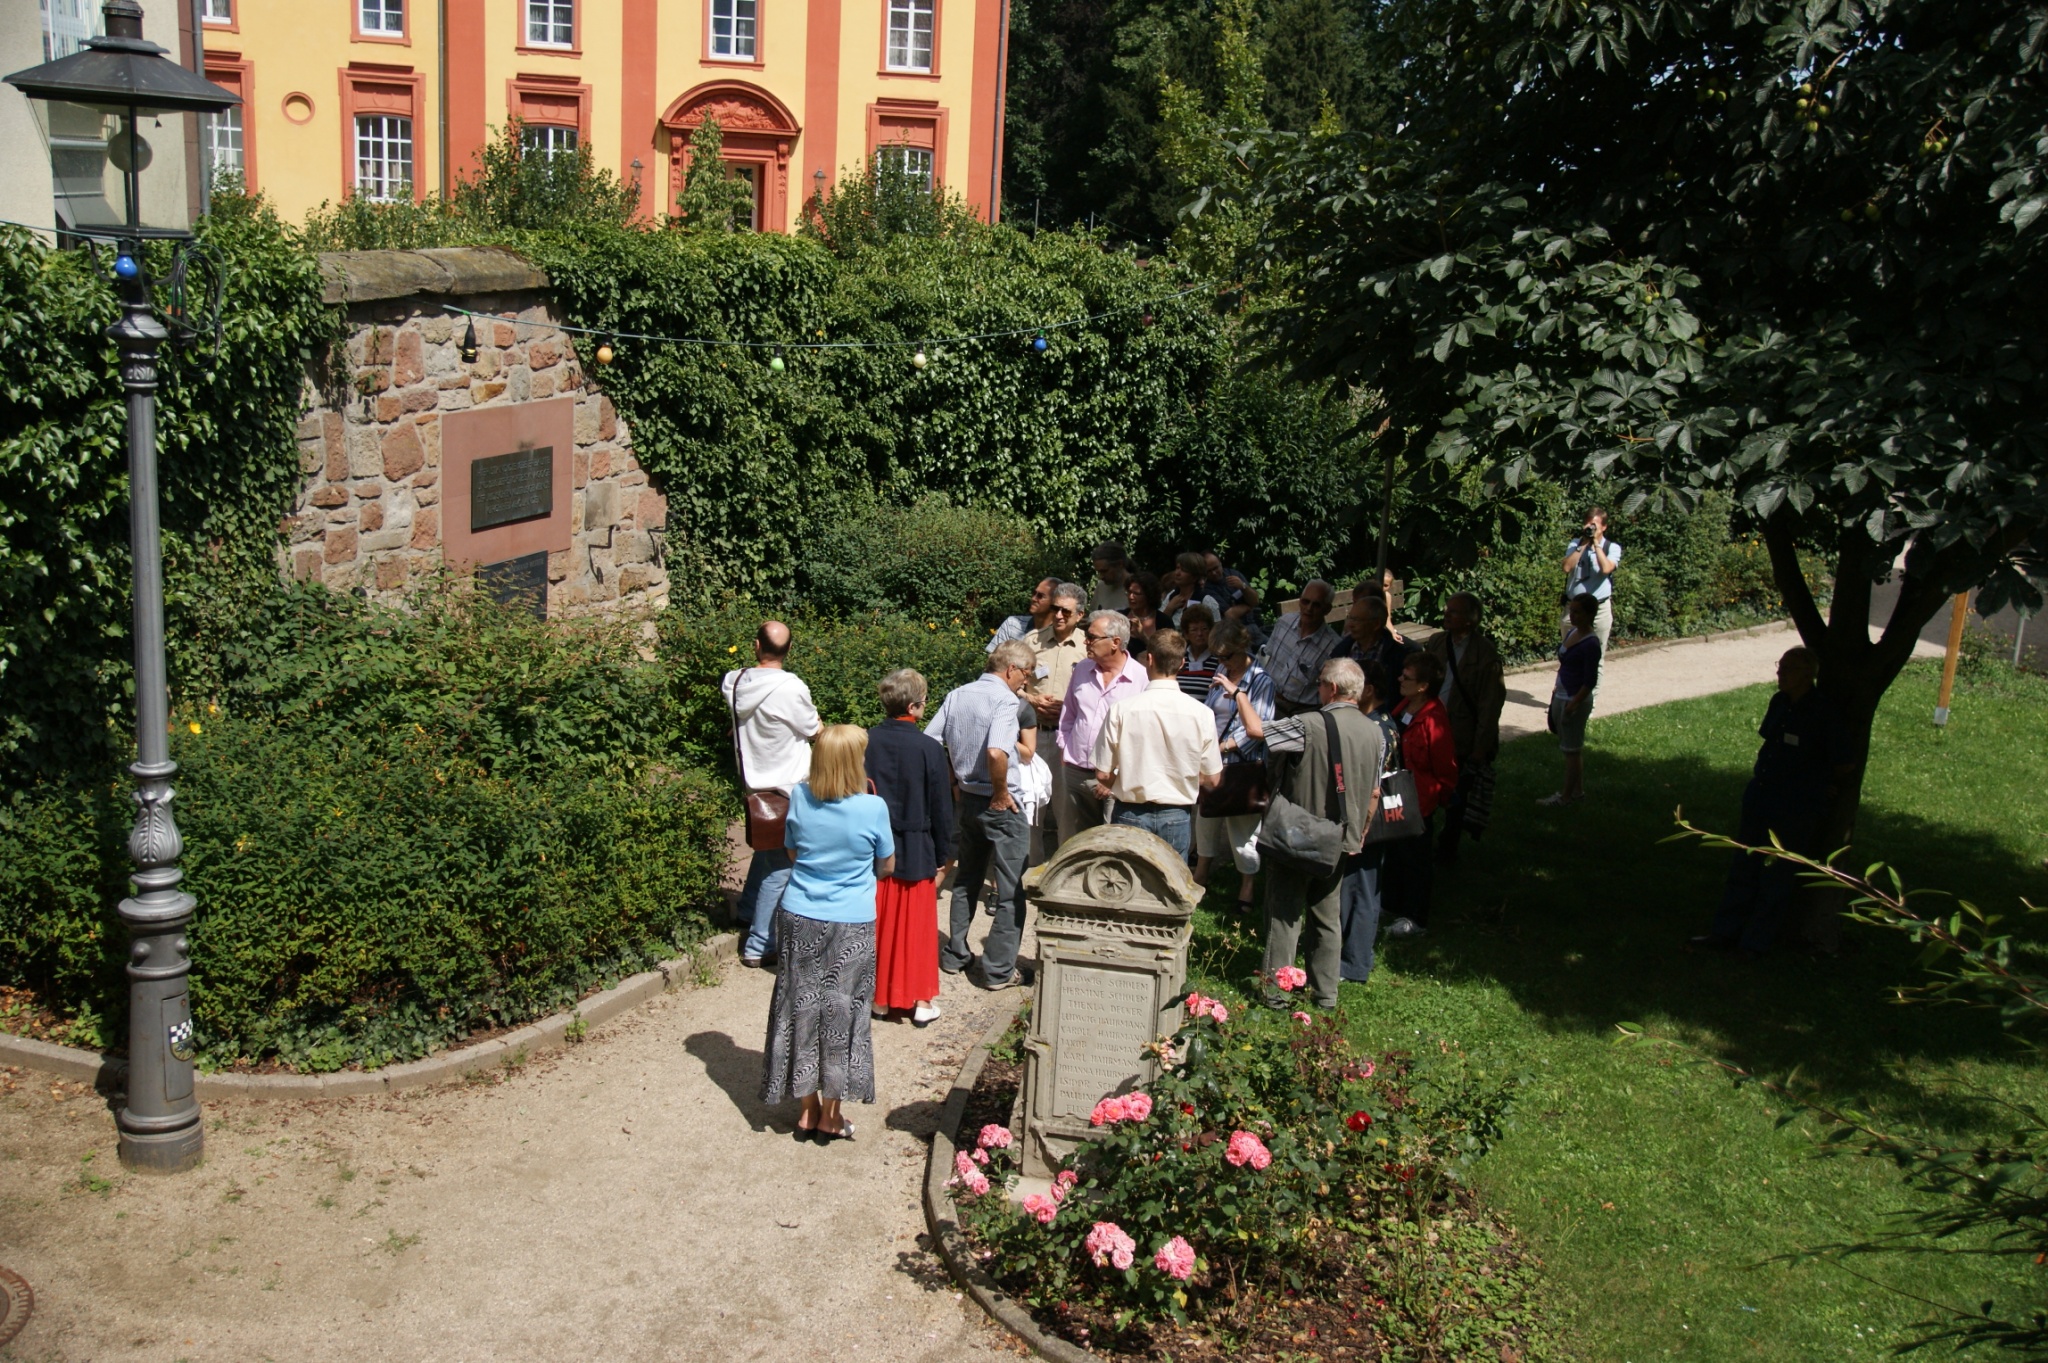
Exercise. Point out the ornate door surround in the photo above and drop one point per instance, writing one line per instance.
(759, 132)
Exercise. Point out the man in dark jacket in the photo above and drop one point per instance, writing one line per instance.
(1475, 691)
(1367, 638)
(1300, 748)
(1805, 753)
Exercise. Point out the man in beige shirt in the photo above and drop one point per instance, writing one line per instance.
(1156, 751)
(1055, 651)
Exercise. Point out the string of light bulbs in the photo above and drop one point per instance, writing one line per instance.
(607, 336)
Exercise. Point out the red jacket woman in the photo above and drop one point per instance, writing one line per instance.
(1427, 748)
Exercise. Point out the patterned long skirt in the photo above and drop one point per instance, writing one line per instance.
(818, 1037)
(906, 942)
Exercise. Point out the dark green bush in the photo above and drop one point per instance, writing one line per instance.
(840, 660)
(928, 561)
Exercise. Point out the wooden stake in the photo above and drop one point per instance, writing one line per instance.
(1959, 615)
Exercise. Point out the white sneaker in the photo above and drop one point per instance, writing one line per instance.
(926, 1015)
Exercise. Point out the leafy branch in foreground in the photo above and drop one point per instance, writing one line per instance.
(1992, 1198)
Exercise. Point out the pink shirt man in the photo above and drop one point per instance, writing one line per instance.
(1087, 703)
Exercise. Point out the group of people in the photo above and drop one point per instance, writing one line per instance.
(1162, 702)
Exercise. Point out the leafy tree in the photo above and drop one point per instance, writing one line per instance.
(713, 198)
(516, 185)
(874, 204)
(1786, 250)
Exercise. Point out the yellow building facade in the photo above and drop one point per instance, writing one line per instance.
(388, 98)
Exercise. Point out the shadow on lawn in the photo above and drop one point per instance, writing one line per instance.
(1582, 916)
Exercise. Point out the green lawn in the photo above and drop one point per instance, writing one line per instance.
(1653, 1191)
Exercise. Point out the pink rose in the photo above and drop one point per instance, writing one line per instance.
(1176, 1259)
(1302, 1018)
(977, 1183)
(1202, 1006)
(1108, 1245)
(1245, 1148)
(1042, 1207)
(963, 1164)
(1063, 1185)
(1109, 1111)
(994, 1137)
(1218, 1011)
(1370, 1070)
(1137, 1106)
(1290, 977)
(981, 1157)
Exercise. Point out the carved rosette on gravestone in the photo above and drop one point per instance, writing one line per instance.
(1114, 906)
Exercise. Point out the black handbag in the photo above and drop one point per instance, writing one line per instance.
(1400, 813)
(1246, 788)
(1294, 838)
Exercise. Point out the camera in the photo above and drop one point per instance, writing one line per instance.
(1590, 533)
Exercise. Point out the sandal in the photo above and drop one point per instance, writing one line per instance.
(844, 1133)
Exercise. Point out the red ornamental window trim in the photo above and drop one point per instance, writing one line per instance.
(369, 88)
(916, 123)
(230, 72)
(758, 131)
(554, 101)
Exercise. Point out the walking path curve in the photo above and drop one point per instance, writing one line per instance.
(626, 1199)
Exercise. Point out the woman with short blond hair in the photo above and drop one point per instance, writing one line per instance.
(819, 1049)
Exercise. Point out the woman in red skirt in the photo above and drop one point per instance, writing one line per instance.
(910, 772)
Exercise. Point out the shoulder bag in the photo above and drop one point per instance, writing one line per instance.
(767, 811)
(1299, 840)
(1399, 814)
(1246, 788)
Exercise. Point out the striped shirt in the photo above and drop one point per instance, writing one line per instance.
(1195, 676)
(1297, 663)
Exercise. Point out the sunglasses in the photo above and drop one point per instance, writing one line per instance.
(1063, 610)
(1100, 638)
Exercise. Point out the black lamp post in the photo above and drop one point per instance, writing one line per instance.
(125, 77)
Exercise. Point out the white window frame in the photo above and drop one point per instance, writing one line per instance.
(383, 18)
(217, 11)
(382, 175)
(913, 25)
(66, 26)
(546, 19)
(548, 139)
(225, 146)
(740, 40)
(902, 158)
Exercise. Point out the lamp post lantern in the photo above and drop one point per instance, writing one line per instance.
(127, 78)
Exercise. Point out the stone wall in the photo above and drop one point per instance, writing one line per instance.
(369, 510)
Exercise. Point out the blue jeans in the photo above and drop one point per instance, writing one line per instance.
(767, 878)
(1174, 823)
(1358, 900)
(988, 836)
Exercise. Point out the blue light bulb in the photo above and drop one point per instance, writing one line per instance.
(1038, 344)
(125, 266)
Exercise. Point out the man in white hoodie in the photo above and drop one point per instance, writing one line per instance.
(775, 722)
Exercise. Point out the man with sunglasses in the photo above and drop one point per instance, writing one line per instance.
(1300, 644)
(1057, 649)
(1108, 675)
(1037, 618)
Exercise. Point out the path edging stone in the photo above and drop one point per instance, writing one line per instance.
(548, 1034)
(945, 1229)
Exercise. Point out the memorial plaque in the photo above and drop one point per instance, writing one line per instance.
(505, 489)
(1106, 1017)
(1113, 924)
(520, 582)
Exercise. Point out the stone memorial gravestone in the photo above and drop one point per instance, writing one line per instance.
(1114, 906)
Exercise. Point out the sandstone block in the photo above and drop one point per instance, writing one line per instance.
(334, 435)
(327, 494)
(455, 399)
(600, 504)
(305, 564)
(312, 456)
(311, 426)
(542, 385)
(558, 564)
(487, 392)
(636, 577)
(390, 572)
(365, 458)
(653, 511)
(635, 546)
(586, 423)
(437, 329)
(579, 468)
(384, 541)
(425, 496)
(544, 354)
(503, 334)
(371, 517)
(388, 407)
(607, 419)
(601, 463)
(519, 383)
(419, 398)
(442, 360)
(386, 346)
(372, 380)
(426, 528)
(429, 427)
(341, 545)
(368, 489)
(403, 455)
(409, 364)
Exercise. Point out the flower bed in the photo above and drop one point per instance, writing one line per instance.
(1275, 1193)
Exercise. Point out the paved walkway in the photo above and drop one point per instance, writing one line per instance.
(626, 1200)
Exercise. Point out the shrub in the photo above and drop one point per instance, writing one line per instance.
(840, 660)
(1267, 1154)
(927, 561)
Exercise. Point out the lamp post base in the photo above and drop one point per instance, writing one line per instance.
(163, 1152)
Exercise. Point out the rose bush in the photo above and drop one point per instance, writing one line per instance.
(1264, 1148)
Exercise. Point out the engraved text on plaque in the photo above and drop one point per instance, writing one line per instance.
(505, 488)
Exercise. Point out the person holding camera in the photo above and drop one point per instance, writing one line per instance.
(1589, 564)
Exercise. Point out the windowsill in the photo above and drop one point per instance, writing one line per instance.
(547, 50)
(747, 63)
(395, 39)
(908, 74)
(220, 26)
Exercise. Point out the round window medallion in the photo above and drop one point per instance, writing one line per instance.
(1108, 882)
(298, 107)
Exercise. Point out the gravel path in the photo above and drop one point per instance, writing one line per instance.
(627, 1199)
